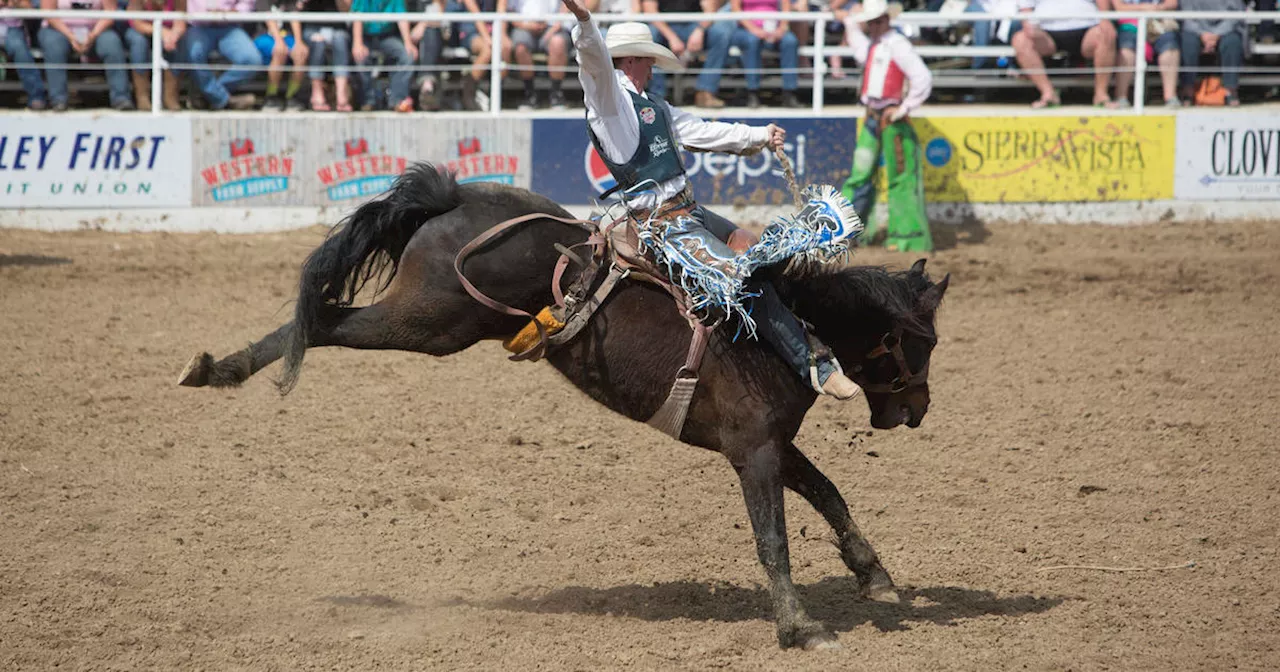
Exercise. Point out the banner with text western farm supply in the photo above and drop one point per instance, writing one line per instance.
(74, 161)
(821, 150)
(345, 160)
(1036, 159)
(1228, 156)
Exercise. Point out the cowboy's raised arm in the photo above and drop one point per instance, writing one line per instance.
(600, 90)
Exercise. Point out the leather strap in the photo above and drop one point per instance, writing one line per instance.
(535, 351)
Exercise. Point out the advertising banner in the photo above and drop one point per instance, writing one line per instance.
(1035, 159)
(1228, 156)
(820, 150)
(345, 160)
(77, 161)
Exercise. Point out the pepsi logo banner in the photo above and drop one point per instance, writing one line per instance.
(821, 150)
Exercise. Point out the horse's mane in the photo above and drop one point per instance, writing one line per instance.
(819, 292)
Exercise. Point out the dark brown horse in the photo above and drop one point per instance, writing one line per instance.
(749, 403)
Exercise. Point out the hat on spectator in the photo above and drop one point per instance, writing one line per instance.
(634, 39)
(874, 9)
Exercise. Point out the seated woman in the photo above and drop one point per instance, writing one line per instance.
(18, 48)
(775, 35)
(478, 38)
(59, 38)
(333, 39)
(138, 38)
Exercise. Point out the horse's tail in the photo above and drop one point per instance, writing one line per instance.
(361, 248)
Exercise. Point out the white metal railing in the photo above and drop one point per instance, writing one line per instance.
(500, 19)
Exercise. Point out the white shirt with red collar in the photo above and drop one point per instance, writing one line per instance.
(893, 73)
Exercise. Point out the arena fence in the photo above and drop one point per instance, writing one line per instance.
(818, 52)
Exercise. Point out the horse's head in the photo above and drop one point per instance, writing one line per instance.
(881, 327)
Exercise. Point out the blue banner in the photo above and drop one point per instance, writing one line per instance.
(569, 171)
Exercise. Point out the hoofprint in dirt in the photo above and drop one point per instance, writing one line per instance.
(1100, 397)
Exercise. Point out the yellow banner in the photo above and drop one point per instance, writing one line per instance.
(1046, 159)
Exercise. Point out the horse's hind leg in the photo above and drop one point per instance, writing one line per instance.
(390, 324)
(799, 474)
(761, 481)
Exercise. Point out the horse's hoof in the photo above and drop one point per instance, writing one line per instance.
(196, 373)
(812, 636)
(884, 594)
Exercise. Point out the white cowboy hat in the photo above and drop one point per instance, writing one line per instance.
(634, 39)
(874, 9)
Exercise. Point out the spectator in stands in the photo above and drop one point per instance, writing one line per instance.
(754, 34)
(1042, 35)
(333, 39)
(533, 36)
(835, 36)
(429, 36)
(60, 37)
(235, 45)
(603, 8)
(478, 39)
(984, 31)
(19, 52)
(278, 46)
(392, 41)
(1162, 34)
(1226, 37)
(138, 37)
(686, 41)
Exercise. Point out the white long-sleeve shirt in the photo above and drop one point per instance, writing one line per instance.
(919, 78)
(613, 118)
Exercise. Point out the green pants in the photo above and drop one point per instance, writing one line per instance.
(908, 228)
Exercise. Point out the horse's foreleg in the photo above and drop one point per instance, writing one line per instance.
(762, 488)
(799, 474)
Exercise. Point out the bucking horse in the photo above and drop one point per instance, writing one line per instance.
(748, 404)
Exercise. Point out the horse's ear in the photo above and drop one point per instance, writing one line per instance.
(931, 297)
(918, 267)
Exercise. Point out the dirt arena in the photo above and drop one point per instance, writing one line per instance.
(1101, 396)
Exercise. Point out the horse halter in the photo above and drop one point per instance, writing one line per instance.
(891, 344)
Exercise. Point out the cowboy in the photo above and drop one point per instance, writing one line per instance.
(638, 136)
(895, 82)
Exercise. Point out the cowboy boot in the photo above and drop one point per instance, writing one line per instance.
(142, 90)
(170, 96)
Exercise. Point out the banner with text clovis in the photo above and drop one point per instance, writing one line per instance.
(1034, 159)
(309, 161)
(1228, 156)
(74, 161)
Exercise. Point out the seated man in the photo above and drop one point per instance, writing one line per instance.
(637, 137)
(18, 48)
(393, 41)
(235, 45)
(686, 40)
(534, 36)
(773, 34)
(1225, 37)
(1042, 35)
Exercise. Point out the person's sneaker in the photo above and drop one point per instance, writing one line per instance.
(753, 99)
(530, 101)
(428, 101)
(1172, 102)
(789, 100)
(295, 105)
(37, 105)
(241, 101)
(839, 386)
(122, 104)
(405, 106)
(557, 100)
(366, 107)
(60, 106)
(271, 104)
(481, 100)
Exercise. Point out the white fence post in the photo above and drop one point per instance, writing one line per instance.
(819, 62)
(495, 68)
(1140, 69)
(157, 55)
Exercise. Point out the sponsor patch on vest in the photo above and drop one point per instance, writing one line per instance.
(647, 115)
(659, 146)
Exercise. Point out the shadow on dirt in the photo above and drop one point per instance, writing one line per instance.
(31, 260)
(831, 600)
